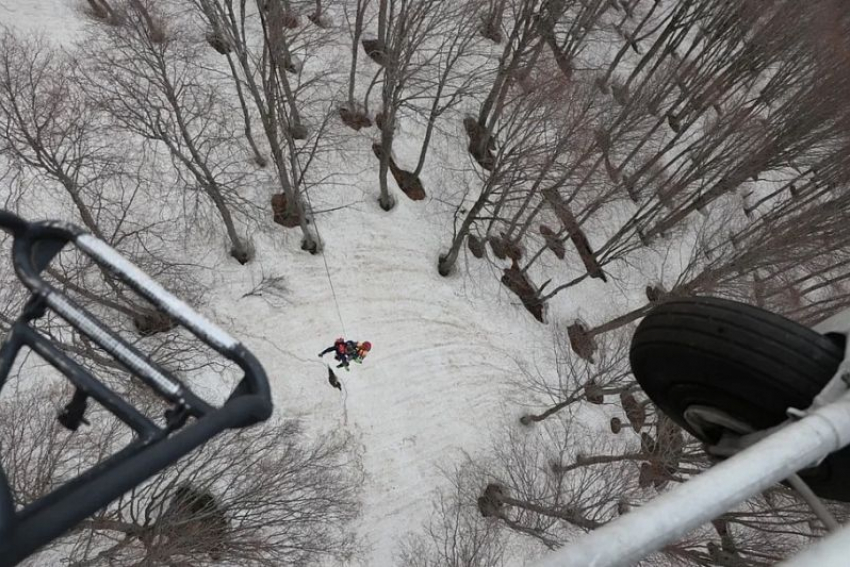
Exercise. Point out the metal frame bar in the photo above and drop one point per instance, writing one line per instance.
(153, 448)
(703, 498)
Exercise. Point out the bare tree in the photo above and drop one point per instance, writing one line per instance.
(153, 89)
(260, 75)
(491, 23)
(523, 42)
(573, 380)
(509, 164)
(570, 480)
(413, 25)
(566, 26)
(281, 62)
(445, 84)
(352, 113)
(455, 536)
(263, 496)
(535, 162)
(801, 254)
(103, 11)
(52, 131)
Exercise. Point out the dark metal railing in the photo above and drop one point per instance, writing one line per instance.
(189, 421)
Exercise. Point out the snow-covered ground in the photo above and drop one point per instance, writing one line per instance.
(441, 353)
(57, 19)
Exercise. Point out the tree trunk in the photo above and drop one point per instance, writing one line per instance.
(625, 47)
(493, 22)
(387, 130)
(569, 516)
(200, 169)
(280, 54)
(571, 226)
(528, 419)
(259, 159)
(355, 45)
(620, 321)
(447, 260)
(382, 23)
(508, 62)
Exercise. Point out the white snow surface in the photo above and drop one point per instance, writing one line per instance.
(60, 20)
(432, 383)
(444, 349)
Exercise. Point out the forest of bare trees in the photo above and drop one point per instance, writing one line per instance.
(555, 475)
(708, 139)
(714, 140)
(262, 496)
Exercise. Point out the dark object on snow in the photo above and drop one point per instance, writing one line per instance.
(476, 246)
(289, 20)
(675, 122)
(153, 322)
(319, 20)
(616, 425)
(73, 415)
(593, 393)
(481, 143)
(219, 42)
(491, 501)
(289, 219)
(291, 66)
(635, 411)
(376, 51)
(581, 342)
(554, 244)
(573, 229)
(355, 119)
(406, 181)
(158, 441)
(333, 380)
(195, 511)
(513, 249)
(490, 30)
(518, 282)
(655, 293)
(298, 131)
(498, 247)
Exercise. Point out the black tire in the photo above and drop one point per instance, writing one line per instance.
(741, 360)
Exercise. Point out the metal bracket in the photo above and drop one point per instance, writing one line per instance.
(191, 421)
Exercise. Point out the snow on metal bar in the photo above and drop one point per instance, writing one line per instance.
(92, 330)
(829, 552)
(691, 504)
(196, 322)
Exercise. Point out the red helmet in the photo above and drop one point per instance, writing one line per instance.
(366, 345)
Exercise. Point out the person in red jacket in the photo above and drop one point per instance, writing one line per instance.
(344, 351)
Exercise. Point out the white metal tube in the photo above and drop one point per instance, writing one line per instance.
(829, 552)
(668, 517)
(815, 503)
(197, 323)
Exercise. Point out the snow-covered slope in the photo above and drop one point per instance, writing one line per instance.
(441, 352)
(58, 19)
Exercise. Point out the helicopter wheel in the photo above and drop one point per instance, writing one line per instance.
(713, 365)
